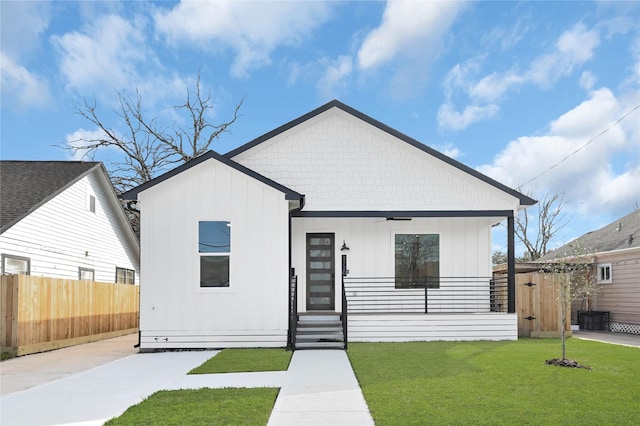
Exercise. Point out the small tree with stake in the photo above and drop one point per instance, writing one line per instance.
(572, 275)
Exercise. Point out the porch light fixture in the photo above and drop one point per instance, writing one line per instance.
(344, 246)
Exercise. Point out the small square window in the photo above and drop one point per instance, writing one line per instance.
(604, 273)
(16, 264)
(125, 276)
(86, 274)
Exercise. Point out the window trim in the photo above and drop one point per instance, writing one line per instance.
(430, 282)
(11, 256)
(604, 266)
(81, 270)
(133, 281)
(202, 254)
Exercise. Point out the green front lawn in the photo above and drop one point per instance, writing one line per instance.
(245, 360)
(202, 407)
(492, 383)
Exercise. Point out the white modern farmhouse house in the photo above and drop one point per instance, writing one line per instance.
(330, 229)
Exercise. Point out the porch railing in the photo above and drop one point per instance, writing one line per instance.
(345, 311)
(293, 312)
(447, 295)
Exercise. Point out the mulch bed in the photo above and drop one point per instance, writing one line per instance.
(566, 363)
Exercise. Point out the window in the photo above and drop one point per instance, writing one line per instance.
(417, 260)
(214, 247)
(92, 203)
(85, 274)
(125, 276)
(15, 264)
(604, 273)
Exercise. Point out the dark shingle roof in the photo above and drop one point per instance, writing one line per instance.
(621, 234)
(27, 185)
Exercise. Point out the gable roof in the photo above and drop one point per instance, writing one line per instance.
(524, 200)
(621, 234)
(290, 194)
(27, 185)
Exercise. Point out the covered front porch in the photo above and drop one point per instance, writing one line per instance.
(347, 275)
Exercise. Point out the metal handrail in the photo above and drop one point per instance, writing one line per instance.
(293, 312)
(345, 311)
(451, 295)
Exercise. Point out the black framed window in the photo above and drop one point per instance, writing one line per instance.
(125, 276)
(86, 274)
(16, 264)
(214, 248)
(417, 260)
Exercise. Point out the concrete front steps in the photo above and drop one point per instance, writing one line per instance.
(319, 330)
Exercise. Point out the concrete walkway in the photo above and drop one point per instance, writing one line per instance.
(89, 384)
(320, 388)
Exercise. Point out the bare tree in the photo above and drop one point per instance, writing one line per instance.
(572, 275)
(550, 220)
(147, 147)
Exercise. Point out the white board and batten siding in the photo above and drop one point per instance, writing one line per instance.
(175, 312)
(63, 235)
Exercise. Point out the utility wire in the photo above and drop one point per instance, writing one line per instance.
(582, 147)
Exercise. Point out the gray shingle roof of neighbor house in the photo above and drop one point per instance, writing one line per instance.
(524, 200)
(290, 194)
(621, 234)
(27, 185)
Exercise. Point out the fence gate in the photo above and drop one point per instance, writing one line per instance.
(538, 307)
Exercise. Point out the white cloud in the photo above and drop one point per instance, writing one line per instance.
(449, 118)
(572, 49)
(405, 30)
(587, 80)
(334, 76)
(251, 29)
(22, 24)
(20, 88)
(563, 160)
(105, 55)
(75, 139)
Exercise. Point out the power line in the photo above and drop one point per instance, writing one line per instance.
(582, 147)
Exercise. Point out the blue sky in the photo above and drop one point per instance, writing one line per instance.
(521, 91)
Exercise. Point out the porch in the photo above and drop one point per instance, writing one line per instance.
(373, 309)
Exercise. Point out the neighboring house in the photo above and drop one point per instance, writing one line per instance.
(615, 252)
(332, 214)
(62, 219)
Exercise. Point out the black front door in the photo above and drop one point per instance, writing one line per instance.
(320, 272)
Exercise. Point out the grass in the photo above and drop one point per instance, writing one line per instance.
(482, 383)
(202, 407)
(245, 360)
(6, 355)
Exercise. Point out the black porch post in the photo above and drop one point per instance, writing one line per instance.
(511, 265)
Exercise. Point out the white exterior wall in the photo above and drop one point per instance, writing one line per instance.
(465, 250)
(63, 235)
(343, 163)
(174, 310)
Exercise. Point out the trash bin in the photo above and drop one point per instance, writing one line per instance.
(593, 320)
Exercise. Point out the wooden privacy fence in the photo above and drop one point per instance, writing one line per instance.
(538, 307)
(41, 313)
